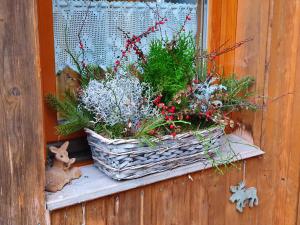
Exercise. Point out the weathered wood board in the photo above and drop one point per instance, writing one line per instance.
(21, 125)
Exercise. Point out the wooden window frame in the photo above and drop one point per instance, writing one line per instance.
(47, 59)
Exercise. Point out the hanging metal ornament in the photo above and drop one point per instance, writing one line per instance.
(241, 195)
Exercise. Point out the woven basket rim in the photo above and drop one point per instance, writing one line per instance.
(136, 141)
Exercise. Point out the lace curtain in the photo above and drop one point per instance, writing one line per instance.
(100, 21)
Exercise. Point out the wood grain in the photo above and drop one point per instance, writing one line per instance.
(22, 139)
(273, 58)
(278, 119)
(73, 215)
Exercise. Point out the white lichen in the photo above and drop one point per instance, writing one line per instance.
(120, 99)
(204, 91)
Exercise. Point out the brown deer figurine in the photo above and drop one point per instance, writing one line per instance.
(61, 172)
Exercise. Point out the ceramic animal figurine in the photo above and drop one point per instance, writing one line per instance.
(61, 172)
(67, 80)
(242, 195)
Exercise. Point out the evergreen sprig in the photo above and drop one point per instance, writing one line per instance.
(170, 66)
(76, 118)
(238, 93)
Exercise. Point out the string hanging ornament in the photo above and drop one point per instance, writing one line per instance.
(241, 195)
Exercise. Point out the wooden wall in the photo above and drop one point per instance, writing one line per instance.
(21, 125)
(273, 57)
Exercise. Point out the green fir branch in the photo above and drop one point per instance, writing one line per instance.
(76, 118)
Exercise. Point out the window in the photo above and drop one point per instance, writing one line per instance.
(98, 23)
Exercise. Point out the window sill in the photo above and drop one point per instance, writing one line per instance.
(94, 184)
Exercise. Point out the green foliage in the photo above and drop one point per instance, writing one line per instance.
(87, 72)
(116, 131)
(170, 66)
(154, 124)
(237, 93)
(215, 156)
(76, 118)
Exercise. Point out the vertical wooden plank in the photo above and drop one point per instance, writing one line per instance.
(146, 206)
(96, 212)
(73, 215)
(293, 171)
(296, 111)
(250, 58)
(181, 191)
(199, 204)
(228, 34)
(214, 25)
(22, 139)
(112, 209)
(278, 118)
(222, 20)
(129, 207)
(161, 205)
(217, 197)
(47, 64)
(298, 216)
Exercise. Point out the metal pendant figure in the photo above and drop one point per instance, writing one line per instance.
(242, 195)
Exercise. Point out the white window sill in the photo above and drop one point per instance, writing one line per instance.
(94, 184)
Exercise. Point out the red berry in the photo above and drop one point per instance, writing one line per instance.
(173, 134)
(80, 45)
(171, 117)
(161, 105)
(172, 126)
(172, 109)
(208, 114)
(187, 117)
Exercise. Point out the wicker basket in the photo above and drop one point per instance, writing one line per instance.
(127, 158)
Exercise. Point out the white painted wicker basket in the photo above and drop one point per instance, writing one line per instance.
(127, 158)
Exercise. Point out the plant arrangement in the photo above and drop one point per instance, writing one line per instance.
(172, 89)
